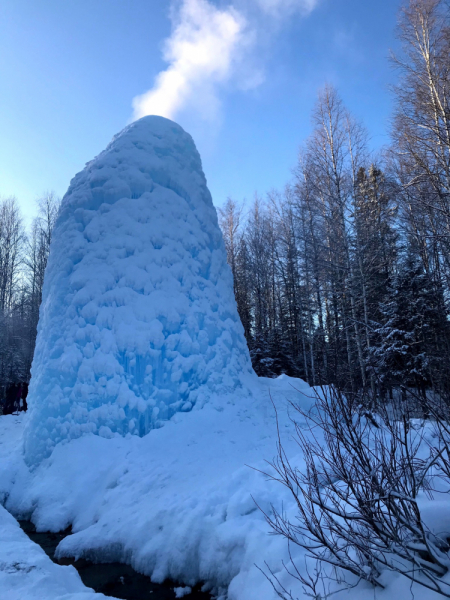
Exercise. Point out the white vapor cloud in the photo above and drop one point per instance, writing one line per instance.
(208, 48)
(200, 52)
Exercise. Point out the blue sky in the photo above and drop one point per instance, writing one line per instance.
(241, 76)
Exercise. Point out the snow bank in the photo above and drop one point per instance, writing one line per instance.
(138, 317)
(27, 573)
(176, 503)
(180, 502)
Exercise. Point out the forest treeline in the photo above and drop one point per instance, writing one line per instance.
(344, 276)
(23, 258)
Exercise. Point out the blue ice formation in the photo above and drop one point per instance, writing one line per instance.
(138, 318)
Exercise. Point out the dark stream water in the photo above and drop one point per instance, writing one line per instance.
(112, 579)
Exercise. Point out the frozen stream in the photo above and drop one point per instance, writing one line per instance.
(111, 579)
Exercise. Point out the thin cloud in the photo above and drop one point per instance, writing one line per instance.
(210, 47)
(282, 8)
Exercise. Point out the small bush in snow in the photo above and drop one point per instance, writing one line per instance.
(359, 500)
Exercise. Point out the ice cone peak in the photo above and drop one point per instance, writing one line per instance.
(152, 150)
(138, 318)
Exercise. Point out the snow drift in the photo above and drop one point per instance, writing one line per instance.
(178, 503)
(138, 318)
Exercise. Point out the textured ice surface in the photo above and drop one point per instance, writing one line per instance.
(138, 319)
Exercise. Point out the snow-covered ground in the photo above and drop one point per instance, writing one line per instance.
(176, 503)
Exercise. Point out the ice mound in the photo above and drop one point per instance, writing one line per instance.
(138, 318)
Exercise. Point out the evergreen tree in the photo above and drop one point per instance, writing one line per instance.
(415, 328)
